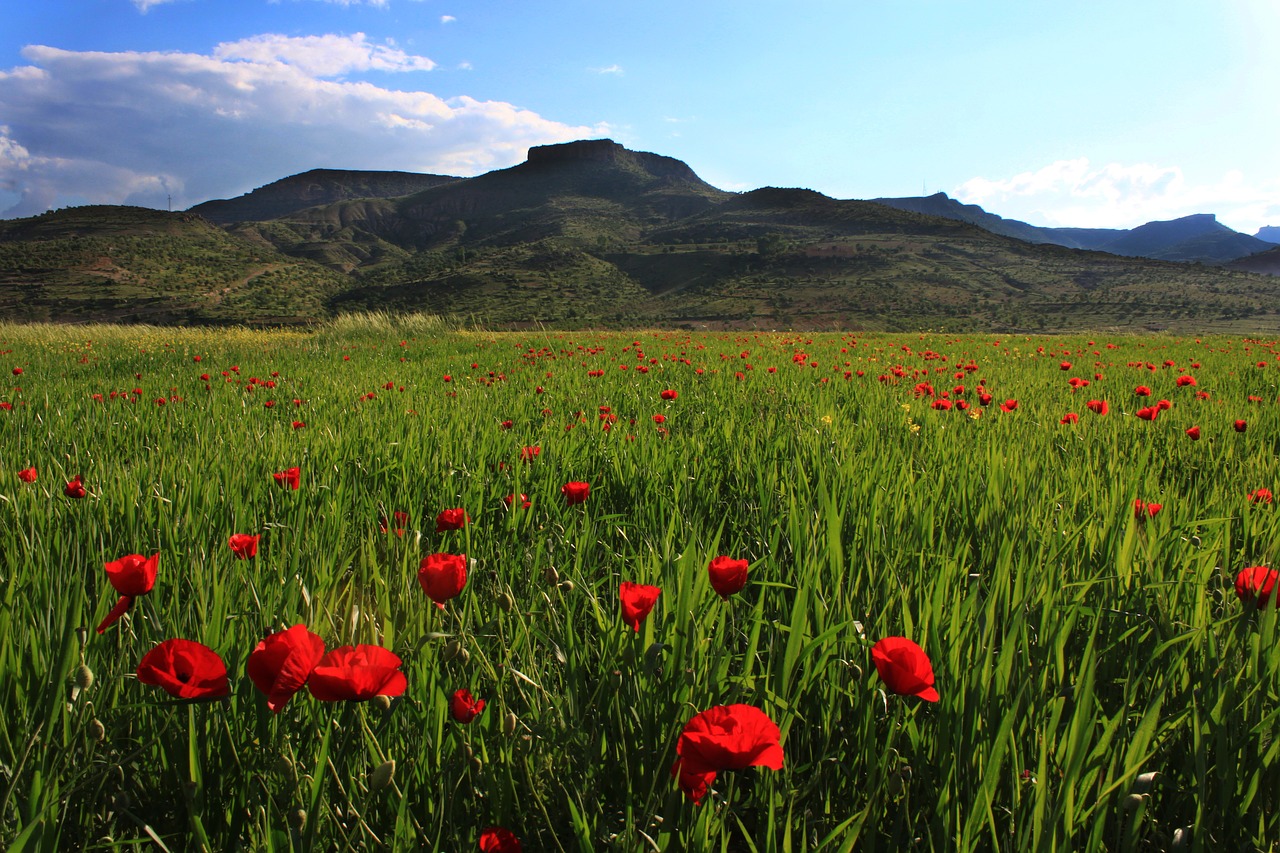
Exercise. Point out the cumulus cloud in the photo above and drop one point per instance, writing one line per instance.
(1116, 195)
(447, 19)
(134, 127)
(145, 5)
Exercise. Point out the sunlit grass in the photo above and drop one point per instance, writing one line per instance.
(1077, 649)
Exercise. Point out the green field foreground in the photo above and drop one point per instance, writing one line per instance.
(1101, 683)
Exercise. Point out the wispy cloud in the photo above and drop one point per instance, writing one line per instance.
(447, 19)
(609, 69)
(1116, 195)
(144, 6)
(131, 127)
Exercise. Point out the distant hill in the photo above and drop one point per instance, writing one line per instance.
(1199, 237)
(593, 234)
(1263, 263)
(316, 187)
(1269, 233)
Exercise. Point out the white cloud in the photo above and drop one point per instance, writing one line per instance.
(1076, 193)
(145, 5)
(132, 127)
(609, 69)
(447, 19)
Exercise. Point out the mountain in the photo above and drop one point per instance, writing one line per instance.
(1199, 237)
(1263, 263)
(316, 187)
(591, 234)
(1269, 233)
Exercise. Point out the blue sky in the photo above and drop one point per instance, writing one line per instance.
(1084, 113)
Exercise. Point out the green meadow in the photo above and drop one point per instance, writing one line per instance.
(1101, 684)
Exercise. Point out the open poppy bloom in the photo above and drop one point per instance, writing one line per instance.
(1148, 413)
(1142, 391)
(528, 454)
(904, 668)
(497, 839)
(1098, 407)
(442, 576)
(75, 488)
(243, 545)
(1143, 510)
(727, 575)
(290, 477)
(1193, 433)
(1256, 583)
(637, 600)
(282, 662)
(132, 576)
(27, 475)
(510, 500)
(1260, 496)
(725, 737)
(186, 669)
(575, 492)
(357, 674)
(400, 517)
(463, 707)
(668, 394)
(1009, 405)
(451, 519)
(1070, 418)
(1240, 426)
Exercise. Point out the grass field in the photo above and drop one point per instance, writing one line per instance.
(1101, 685)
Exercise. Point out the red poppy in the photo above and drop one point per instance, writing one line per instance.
(497, 839)
(442, 576)
(1009, 405)
(290, 477)
(1256, 583)
(1164, 405)
(726, 737)
(1142, 391)
(132, 576)
(299, 424)
(1065, 365)
(243, 545)
(637, 600)
(186, 669)
(904, 668)
(463, 707)
(27, 475)
(1193, 433)
(357, 674)
(451, 519)
(727, 575)
(1148, 413)
(668, 394)
(1099, 407)
(75, 488)
(400, 517)
(575, 492)
(17, 371)
(524, 501)
(941, 405)
(1145, 510)
(1184, 380)
(282, 662)
(1240, 426)
(1070, 418)
(1260, 496)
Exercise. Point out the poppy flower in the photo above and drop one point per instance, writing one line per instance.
(725, 737)
(1164, 405)
(1240, 426)
(525, 503)
(1009, 405)
(185, 669)
(1193, 433)
(1148, 413)
(17, 371)
(940, 405)
(463, 707)
(1256, 583)
(1260, 496)
(1098, 407)
(27, 475)
(497, 839)
(299, 424)
(282, 662)
(132, 576)
(637, 600)
(668, 394)
(727, 575)
(1143, 510)
(243, 545)
(575, 492)
(290, 477)
(1184, 380)
(1070, 418)
(400, 517)
(357, 674)
(904, 668)
(75, 488)
(451, 519)
(1142, 391)
(528, 454)
(442, 576)
(985, 399)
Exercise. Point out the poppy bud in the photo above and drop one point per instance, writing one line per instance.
(551, 575)
(298, 820)
(381, 776)
(855, 672)
(284, 765)
(84, 677)
(509, 724)
(895, 784)
(97, 730)
(506, 603)
(450, 651)
(464, 656)
(567, 586)
(383, 702)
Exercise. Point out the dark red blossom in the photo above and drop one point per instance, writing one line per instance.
(725, 737)
(1098, 407)
(442, 576)
(497, 839)
(637, 600)
(463, 707)
(575, 492)
(27, 475)
(132, 575)
(1257, 584)
(185, 669)
(904, 668)
(451, 519)
(75, 488)
(244, 545)
(289, 477)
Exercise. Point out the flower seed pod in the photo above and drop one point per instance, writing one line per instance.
(450, 651)
(381, 775)
(567, 586)
(382, 702)
(506, 603)
(97, 730)
(464, 656)
(84, 677)
(298, 820)
(509, 724)
(551, 575)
